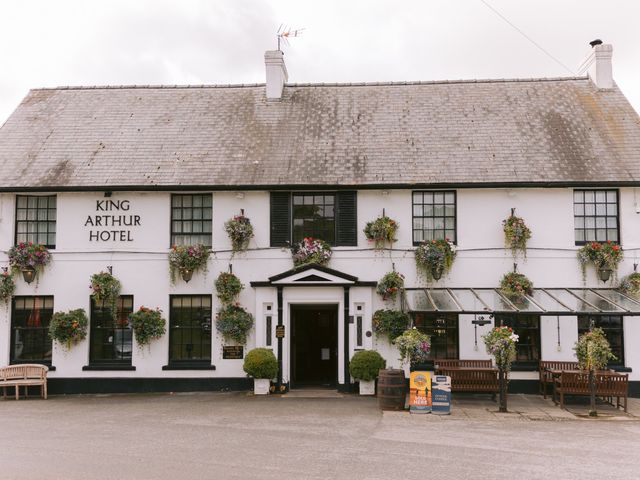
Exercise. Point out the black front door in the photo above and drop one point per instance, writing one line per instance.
(314, 345)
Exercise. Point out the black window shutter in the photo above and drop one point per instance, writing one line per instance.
(280, 219)
(346, 219)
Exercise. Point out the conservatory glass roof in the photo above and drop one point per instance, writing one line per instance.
(543, 301)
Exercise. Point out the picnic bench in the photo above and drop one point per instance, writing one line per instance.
(24, 375)
(545, 373)
(477, 376)
(609, 385)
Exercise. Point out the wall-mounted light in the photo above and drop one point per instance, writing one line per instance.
(29, 274)
(108, 194)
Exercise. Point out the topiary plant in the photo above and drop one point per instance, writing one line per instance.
(261, 363)
(391, 323)
(68, 327)
(366, 364)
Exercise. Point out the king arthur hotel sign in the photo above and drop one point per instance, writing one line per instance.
(112, 221)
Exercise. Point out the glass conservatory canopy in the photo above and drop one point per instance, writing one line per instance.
(543, 301)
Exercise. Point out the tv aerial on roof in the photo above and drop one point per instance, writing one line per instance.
(285, 33)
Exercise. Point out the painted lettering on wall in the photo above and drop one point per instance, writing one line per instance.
(112, 222)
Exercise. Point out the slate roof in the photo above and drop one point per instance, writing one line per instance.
(465, 133)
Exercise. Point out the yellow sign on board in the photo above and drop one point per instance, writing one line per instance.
(420, 392)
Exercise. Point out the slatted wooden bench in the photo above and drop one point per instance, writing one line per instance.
(474, 376)
(24, 375)
(608, 385)
(544, 372)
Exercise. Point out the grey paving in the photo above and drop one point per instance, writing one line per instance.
(239, 436)
(440, 133)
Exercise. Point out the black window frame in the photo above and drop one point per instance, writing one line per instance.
(595, 216)
(37, 222)
(433, 216)
(323, 194)
(597, 318)
(46, 340)
(172, 234)
(451, 323)
(97, 311)
(195, 362)
(531, 363)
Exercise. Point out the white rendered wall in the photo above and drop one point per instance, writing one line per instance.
(141, 265)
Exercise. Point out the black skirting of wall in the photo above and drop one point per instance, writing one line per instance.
(146, 385)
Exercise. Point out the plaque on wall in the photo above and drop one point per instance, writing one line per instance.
(279, 331)
(233, 352)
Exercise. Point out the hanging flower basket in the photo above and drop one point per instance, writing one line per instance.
(106, 289)
(228, 287)
(604, 256)
(234, 323)
(435, 257)
(7, 287)
(147, 325)
(413, 346)
(516, 285)
(29, 258)
(500, 343)
(630, 285)
(240, 231)
(69, 327)
(187, 259)
(516, 235)
(389, 285)
(310, 251)
(381, 231)
(390, 323)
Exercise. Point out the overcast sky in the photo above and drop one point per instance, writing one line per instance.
(54, 42)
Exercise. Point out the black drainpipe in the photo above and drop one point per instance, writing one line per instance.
(347, 377)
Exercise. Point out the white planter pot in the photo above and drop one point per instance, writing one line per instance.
(367, 388)
(261, 386)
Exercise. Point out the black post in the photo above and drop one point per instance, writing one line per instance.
(592, 390)
(279, 301)
(502, 378)
(347, 376)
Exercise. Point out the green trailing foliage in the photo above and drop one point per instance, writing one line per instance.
(391, 323)
(389, 285)
(593, 350)
(147, 324)
(106, 289)
(234, 323)
(228, 287)
(69, 327)
(413, 346)
(516, 235)
(381, 231)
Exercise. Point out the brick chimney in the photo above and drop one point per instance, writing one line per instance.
(276, 74)
(599, 65)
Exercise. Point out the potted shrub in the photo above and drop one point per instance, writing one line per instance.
(500, 343)
(234, 322)
(28, 258)
(364, 367)
(69, 327)
(390, 323)
(147, 325)
(389, 285)
(435, 257)
(240, 231)
(414, 347)
(106, 289)
(605, 257)
(515, 286)
(630, 285)
(310, 251)
(381, 231)
(516, 235)
(187, 259)
(228, 287)
(593, 352)
(262, 365)
(7, 287)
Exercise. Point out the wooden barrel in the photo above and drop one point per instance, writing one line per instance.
(391, 389)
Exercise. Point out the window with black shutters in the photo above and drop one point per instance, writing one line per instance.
(595, 216)
(111, 337)
(329, 216)
(443, 330)
(191, 219)
(527, 327)
(190, 329)
(36, 219)
(30, 318)
(612, 326)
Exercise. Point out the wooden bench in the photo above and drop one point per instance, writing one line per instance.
(24, 375)
(474, 376)
(544, 372)
(608, 386)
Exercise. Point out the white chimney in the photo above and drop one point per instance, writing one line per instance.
(599, 64)
(276, 73)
